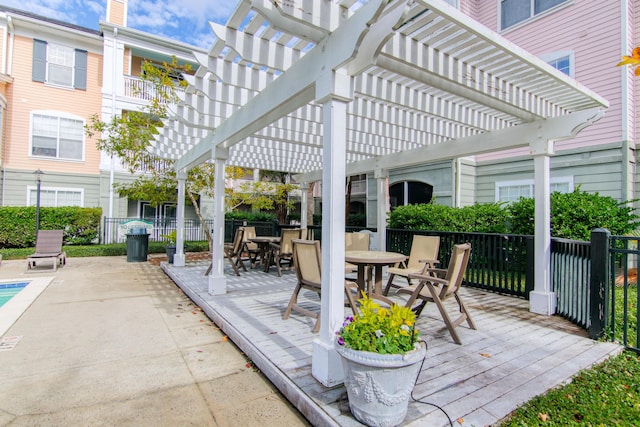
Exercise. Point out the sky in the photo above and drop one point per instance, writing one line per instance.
(183, 20)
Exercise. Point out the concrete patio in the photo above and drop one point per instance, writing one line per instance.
(513, 356)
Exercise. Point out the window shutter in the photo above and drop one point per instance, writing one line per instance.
(39, 71)
(80, 70)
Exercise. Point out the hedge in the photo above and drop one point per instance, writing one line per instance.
(18, 225)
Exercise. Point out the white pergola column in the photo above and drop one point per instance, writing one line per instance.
(541, 299)
(304, 198)
(334, 92)
(382, 185)
(179, 257)
(217, 280)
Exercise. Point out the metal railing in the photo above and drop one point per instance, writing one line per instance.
(571, 279)
(498, 262)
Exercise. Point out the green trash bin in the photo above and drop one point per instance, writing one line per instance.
(137, 245)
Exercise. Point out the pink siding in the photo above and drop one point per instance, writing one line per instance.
(595, 43)
(25, 96)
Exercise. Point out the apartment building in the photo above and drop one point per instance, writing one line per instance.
(583, 38)
(54, 76)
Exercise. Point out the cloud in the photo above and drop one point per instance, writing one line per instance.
(163, 13)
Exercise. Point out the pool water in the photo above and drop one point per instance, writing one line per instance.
(9, 290)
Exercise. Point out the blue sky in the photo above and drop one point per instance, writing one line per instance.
(183, 20)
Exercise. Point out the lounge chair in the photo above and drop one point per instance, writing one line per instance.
(308, 260)
(438, 285)
(48, 247)
(424, 254)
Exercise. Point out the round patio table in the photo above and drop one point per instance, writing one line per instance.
(377, 260)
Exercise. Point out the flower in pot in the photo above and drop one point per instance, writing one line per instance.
(381, 357)
(170, 248)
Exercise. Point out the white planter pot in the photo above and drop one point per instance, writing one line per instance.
(379, 385)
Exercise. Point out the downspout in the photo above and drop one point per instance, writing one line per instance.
(626, 92)
(113, 113)
(7, 59)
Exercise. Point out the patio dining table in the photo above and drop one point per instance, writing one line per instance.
(263, 244)
(376, 260)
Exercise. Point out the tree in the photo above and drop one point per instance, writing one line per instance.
(272, 192)
(129, 135)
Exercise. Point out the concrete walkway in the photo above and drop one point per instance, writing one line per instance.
(111, 343)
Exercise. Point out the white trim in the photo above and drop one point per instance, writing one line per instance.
(532, 18)
(31, 188)
(554, 56)
(58, 115)
(530, 182)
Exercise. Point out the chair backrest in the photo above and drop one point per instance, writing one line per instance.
(237, 240)
(308, 258)
(356, 241)
(422, 248)
(457, 268)
(289, 234)
(249, 233)
(49, 241)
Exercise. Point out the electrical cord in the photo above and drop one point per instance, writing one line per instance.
(422, 401)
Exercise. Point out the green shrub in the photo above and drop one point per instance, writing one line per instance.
(18, 224)
(575, 214)
(482, 218)
(250, 216)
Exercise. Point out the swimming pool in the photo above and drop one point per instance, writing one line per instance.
(16, 295)
(9, 290)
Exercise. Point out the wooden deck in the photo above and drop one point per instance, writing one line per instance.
(513, 356)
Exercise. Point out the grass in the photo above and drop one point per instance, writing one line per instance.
(605, 395)
(114, 249)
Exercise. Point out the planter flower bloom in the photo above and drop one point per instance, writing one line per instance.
(379, 330)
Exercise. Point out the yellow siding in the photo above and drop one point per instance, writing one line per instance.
(136, 66)
(117, 14)
(25, 96)
(127, 62)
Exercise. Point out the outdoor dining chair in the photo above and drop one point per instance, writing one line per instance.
(233, 252)
(438, 285)
(423, 254)
(281, 253)
(355, 242)
(250, 250)
(308, 260)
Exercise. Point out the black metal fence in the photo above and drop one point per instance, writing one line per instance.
(595, 282)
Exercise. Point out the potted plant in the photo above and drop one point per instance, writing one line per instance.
(381, 356)
(170, 248)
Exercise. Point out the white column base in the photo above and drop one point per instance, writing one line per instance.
(326, 364)
(179, 260)
(542, 302)
(217, 285)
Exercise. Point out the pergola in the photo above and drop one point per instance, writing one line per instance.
(321, 87)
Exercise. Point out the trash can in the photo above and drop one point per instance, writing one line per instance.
(137, 245)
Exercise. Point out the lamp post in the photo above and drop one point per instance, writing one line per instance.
(38, 173)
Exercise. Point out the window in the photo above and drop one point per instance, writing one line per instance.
(57, 137)
(409, 193)
(59, 65)
(54, 197)
(163, 211)
(563, 61)
(511, 191)
(515, 11)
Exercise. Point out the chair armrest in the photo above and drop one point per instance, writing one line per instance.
(428, 278)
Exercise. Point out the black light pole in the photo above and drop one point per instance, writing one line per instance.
(38, 173)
